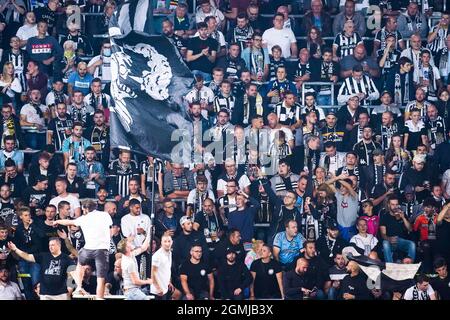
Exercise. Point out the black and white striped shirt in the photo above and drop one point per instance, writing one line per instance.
(221, 101)
(120, 175)
(288, 116)
(151, 175)
(439, 42)
(345, 45)
(351, 86)
(19, 62)
(383, 33)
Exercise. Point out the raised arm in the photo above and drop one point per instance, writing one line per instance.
(25, 256)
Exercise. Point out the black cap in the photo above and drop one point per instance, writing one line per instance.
(332, 224)
(230, 250)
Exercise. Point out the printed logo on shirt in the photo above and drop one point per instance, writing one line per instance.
(270, 272)
(54, 268)
(41, 48)
(202, 272)
(81, 84)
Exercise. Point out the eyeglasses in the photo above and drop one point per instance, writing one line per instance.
(169, 207)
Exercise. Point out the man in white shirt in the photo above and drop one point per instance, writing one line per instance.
(28, 30)
(278, 35)
(135, 224)
(8, 290)
(364, 240)
(161, 271)
(95, 226)
(61, 190)
(100, 66)
(130, 274)
(421, 291)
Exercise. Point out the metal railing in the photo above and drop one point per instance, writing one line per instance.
(319, 83)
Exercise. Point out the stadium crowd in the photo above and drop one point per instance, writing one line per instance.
(340, 138)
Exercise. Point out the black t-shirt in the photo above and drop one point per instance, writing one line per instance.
(47, 233)
(53, 272)
(40, 198)
(197, 275)
(442, 286)
(197, 45)
(6, 253)
(8, 214)
(394, 227)
(266, 284)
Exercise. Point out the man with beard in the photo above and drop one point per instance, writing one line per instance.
(98, 136)
(10, 125)
(80, 80)
(248, 106)
(366, 147)
(92, 172)
(325, 70)
(232, 63)
(355, 135)
(311, 106)
(333, 132)
(98, 100)
(183, 243)
(59, 128)
(435, 126)
(8, 215)
(241, 33)
(348, 115)
(16, 181)
(133, 193)
(308, 156)
(202, 94)
(102, 195)
(382, 190)
(298, 283)
(274, 127)
(178, 41)
(385, 131)
(240, 86)
(284, 180)
(331, 160)
(420, 104)
(208, 221)
(233, 277)
(329, 245)
(79, 111)
(75, 146)
(11, 152)
(75, 184)
(354, 285)
(317, 269)
(418, 178)
(121, 171)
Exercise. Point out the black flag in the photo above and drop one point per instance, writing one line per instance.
(149, 80)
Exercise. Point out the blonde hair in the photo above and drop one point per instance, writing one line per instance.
(69, 43)
(6, 77)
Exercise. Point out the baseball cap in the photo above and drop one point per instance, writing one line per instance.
(332, 224)
(184, 219)
(230, 250)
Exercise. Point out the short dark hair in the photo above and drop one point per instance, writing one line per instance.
(90, 148)
(62, 204)
(77, 124)
(134, 202)
(357, 68)
(421, 278)
(305, 244)
(439, 262)
(403, 60)
(10, 163)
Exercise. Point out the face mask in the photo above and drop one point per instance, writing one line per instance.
(107, 52)
(69, 55)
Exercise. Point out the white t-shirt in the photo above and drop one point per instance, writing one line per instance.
(74, 203)
(129, 225)
(32, 116)
(283, 38)
(104, 71)
(95, 226)
(163, 261)
(50, 99)
(243, 182)
(366, 243)
(193, 193)
(129, 265)
(420, 295)
(26, 32)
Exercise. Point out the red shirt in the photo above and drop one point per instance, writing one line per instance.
(421, 224)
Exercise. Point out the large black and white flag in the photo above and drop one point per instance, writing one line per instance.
(149, 80)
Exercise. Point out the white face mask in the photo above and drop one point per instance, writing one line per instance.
(107, 52)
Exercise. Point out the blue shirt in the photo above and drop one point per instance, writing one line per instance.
(75, 149)
(289, 250)
(17, 157)
(79, 83)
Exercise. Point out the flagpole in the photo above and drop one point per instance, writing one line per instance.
(152, 219)
(150, 17)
